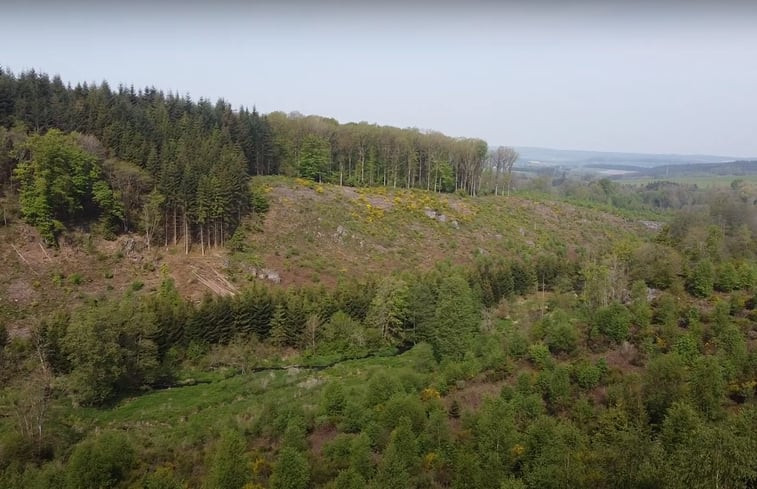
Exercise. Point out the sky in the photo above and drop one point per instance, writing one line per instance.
(654, 77)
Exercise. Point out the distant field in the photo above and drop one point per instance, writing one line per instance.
(704, 181)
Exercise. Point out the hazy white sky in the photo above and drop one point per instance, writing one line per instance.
(675, 77)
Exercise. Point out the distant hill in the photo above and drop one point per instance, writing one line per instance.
(530, 156)
(731, 168)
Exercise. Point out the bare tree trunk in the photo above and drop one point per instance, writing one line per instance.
(186, 233)
(174, 226)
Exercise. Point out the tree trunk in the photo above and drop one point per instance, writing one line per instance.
(174, 226)
(202, 241)
(186, 234)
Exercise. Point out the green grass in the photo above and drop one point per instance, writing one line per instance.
(202, 409)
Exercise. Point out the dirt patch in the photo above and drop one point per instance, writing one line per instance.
(621, 358)
(20, 292)
(462, 209)
(473, 393)
(322, 435)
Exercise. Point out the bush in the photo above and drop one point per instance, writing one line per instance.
(228, 469)
(75, 279)
(102, 462)
(539, 354)
(613, 321)
(560, 334)
(334, 399)
(727, 278)
(587, 375)
(701, 281)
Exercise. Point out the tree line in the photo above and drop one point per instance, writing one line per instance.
(197, 156)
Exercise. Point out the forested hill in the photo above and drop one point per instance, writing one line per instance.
(572, 334)
(197, 155)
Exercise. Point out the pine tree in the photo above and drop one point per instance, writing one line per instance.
(228, 469)
(278, 326)
(291, 470)
(456, 318)
(399, 459)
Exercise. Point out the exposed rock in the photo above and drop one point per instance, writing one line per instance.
(431, 214)
(340, 233)
(652, 294)
(652, 225)
(268, 274)
(132, 246)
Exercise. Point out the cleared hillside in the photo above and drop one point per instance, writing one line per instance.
(312, 233)
(316, 232)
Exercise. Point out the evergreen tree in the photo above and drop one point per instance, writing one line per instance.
(228, 469)
(388, 309)
(456, 319)
(702, 279)
(278, 327)
(399, 459)
(291, 470)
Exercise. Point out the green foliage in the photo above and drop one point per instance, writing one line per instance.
(701, 282)
(613, 321)
(162, 478)
(708, 386)
(727, 278)
(108, 349)
(676, 409)
(103, 462)
(641, 311)
(560, 335)
(343, 334)
(291, 470)
(657, 264)
(334, 399)
(388, 309)
(587, 375)
(456, 319)
(315, 157)
(278, 326)
(399, 458)
(229, 466)
(3, 338)
(258, 201)
(540, 355)
(62, 182)
(664, 383)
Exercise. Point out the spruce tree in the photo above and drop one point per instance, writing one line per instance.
(456, 318)
(228, 469)
(278, 326)
(291, 470)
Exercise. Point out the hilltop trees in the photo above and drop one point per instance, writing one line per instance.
(502, 160)
(177, 170)
(177, 141)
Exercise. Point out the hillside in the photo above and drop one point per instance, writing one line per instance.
(322, 232)
(196, 296)
(312, 233)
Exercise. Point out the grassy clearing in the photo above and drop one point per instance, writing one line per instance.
(319, 233)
